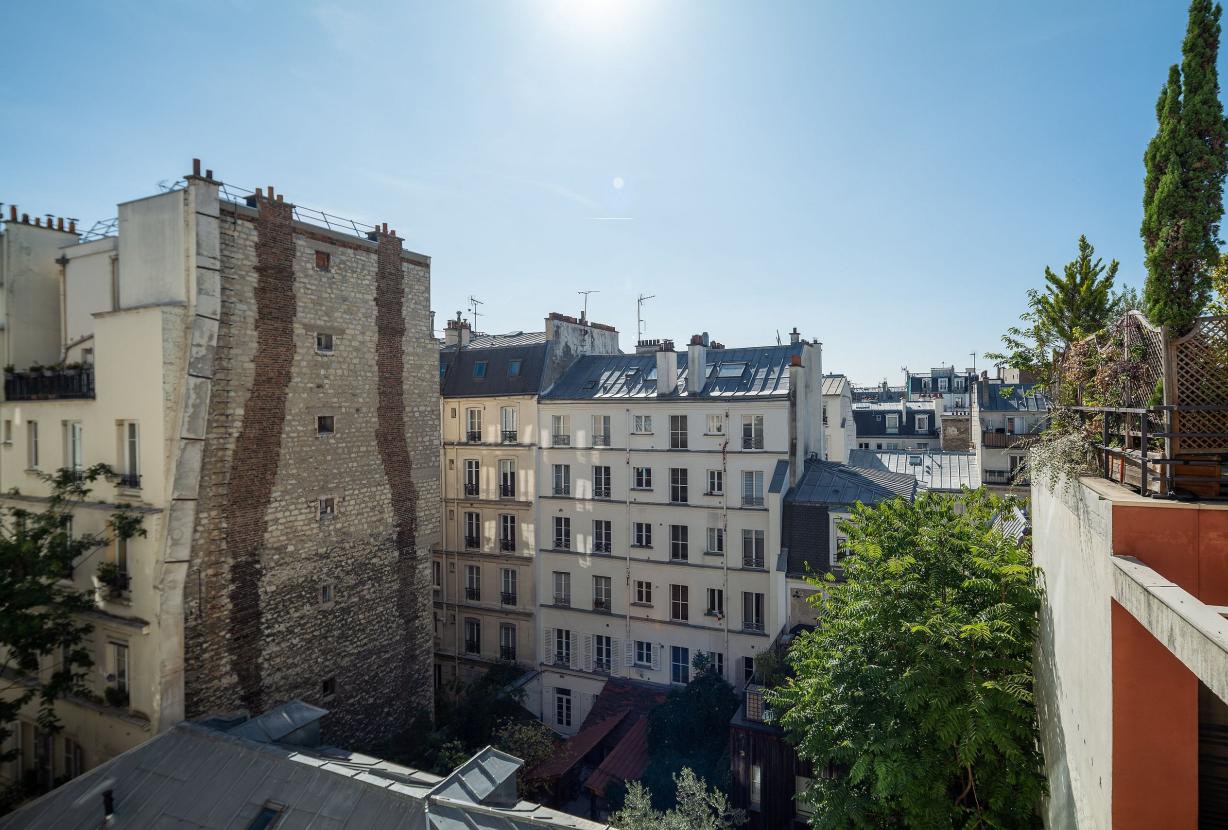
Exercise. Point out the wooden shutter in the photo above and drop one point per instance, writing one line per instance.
(573, 651)
(615, 657)
(587, 663)
(549, 650)
(656, 656)
(628, 653)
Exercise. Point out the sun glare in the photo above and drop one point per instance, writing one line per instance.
(595, 17)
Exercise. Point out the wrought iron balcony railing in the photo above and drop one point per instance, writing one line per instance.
(473, 594)
(562, 600)
(507, 598)
(50, 384)
(473, 436)
(509, 436)
(508, 545)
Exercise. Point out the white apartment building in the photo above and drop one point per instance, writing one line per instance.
(659, 512)
(839, 427)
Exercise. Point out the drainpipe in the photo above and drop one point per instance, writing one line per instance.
(628, 643)
(725, 533)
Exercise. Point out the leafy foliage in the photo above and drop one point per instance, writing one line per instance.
(698, 808)
(1219, 282)
(917, 685)
(529, 740)
(690, 730)
(39, 607)
(1186, 163)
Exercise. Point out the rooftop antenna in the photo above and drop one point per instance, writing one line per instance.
(639, 316)
(475, 302)
(584, 315)
(778, 343)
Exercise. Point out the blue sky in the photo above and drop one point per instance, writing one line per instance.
(888, 177)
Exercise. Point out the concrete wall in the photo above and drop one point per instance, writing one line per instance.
(30, 294)
(957, 433)
(88, 285)
(153, 250)
(568, 340)
(1071, 529)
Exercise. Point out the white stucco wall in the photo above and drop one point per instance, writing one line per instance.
(87, 286)
(152, 251)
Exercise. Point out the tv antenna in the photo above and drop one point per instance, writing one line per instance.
(475, 302)
(639, 316)
(584, 314)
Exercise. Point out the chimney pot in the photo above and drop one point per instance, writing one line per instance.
(209, 175)
(270, 193)
(38, 221)
(72, 225)
(108, 804)
(259, 193)
(12, 213)
(795, 360)
(195, 167)
(280, 198)
(384, 226)
(59, 223)
(25, 218)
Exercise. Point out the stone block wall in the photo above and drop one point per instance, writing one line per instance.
(281, 602)
(957, 433)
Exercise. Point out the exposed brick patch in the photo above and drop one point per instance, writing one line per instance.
(258, 444)
(393, 444)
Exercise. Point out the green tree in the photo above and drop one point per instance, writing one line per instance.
(1219, 282)
(917, 686)
(529, 740)
(1074, 304)
(698, 808)
(690, 730)
(42, 632)
(1183, 189)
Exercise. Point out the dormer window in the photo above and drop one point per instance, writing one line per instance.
(513, 368)
(479, 369)
(731, 370)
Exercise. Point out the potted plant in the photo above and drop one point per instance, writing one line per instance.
(113, 579)
(115, 696)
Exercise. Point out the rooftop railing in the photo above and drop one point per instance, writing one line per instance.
(50, 385)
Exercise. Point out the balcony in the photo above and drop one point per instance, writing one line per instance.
(601, 547)
(601, 665)
(562, 600)
(562, 543)
(507, 598)
(752, 501)
(507, 545)
(473, 542)
(471, 488)
(509, 436)
(996, 476)
(507, 653)
(561, 491)
(560, 440)
(601, 492)
(601, 440)
(1005, 440)
(562, 658)
(473, 647)
(473, 594)
(50, 384)
(601, 604)
(473, 436)
(752, 560)
(752, 442)
(507, 491)
(752, 626)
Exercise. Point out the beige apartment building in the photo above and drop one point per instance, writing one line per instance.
(265, 387)
(485, 594)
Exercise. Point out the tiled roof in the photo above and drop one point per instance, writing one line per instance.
(871, 420)
(497, 341)
(827, 482)
(764, 372)
(933, 470)
(626, 761)
(780, 476)
(459, 377)
(1020, 397)
(576, 747)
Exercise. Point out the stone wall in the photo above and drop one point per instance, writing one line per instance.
(281, 601)
(956, 433)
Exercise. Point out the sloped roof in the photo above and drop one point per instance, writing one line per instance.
(871, 420)
(933, 470)
(457, 378)
(576, 747)
(827, 482)
(1020, 397)
(626, 761)
(780, 476)
(836, 385)
(764, 373)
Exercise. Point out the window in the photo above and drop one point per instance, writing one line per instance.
(507, 532)
(507, 641)
(602, 535)
(328, 507)
(752, 611)
(716, 424)
(731, 370)
(328, 687)
(324, 342)
(716, 482)
(643, 478)
(323, 260)
(842, 550)
(119, 667)
(508, 585)
(601, 482)
(643, 592)
(562, 707)
(716, 602)
(601, 430)
(326, 593)
(513, 368)
(677, 485)
(800, 785)
(942, 384)
(509, 425)
(473, 583)
(74, 758)
(680, 664)
(643, 653)
(716, 540)
(603, 650)
(473, 475)
(756, 786)
(679, 603)
(473, 635)
(507, 478)
(437, 573)
(893, 423)
(325, 424)
(473, 426)
(74, 445)
(32, 444)
(562, 588)
(748, 668)
(752, 548)
(752, 488)
(473, 529)
(863, 445)
(121, 555)
(8, 432)
(560, 430)
(601, 593)
(824, 413)
(642, 424)
(752, 432)
(679, 543)
(643, 534)
(562, 533)
(718, 662)
(677, 432)
(479, 369)
(923, 423)
(562, 479)
(130, 438)
(562, 647)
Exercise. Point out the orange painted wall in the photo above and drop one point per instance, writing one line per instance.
(1155, 731)
(1185, 544)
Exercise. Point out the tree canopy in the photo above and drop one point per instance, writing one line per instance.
(698, 808)
(917, 684)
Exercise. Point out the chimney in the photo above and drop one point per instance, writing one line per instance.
(696, 364)
(795, 337)
(457, 332)
(667, 369)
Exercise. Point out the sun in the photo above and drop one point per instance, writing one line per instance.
(594, 17)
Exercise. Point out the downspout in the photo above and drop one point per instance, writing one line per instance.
(725, 534)
(628, 643)
(62, 261)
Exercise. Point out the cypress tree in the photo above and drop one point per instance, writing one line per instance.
(1186, 163)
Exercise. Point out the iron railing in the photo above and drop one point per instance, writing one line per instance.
(130, 480)
(1005, 440)
(601, 604)
(562, 600)
(507, 653)
(50, 385)
(755, 626)
(601, 547)
(509, 436)
(508, 545)
(473, 594)
(473, 647)
(507, 598)
(601, 492)
(473, 436)
(473, 542)
(507, 491)
(471, 488)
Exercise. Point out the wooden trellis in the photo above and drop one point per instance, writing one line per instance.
(1197, 376)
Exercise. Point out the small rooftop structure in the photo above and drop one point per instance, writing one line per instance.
(936, 470)
(993, 395)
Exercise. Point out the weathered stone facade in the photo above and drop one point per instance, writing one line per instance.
(280, 601)
(957, 432)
